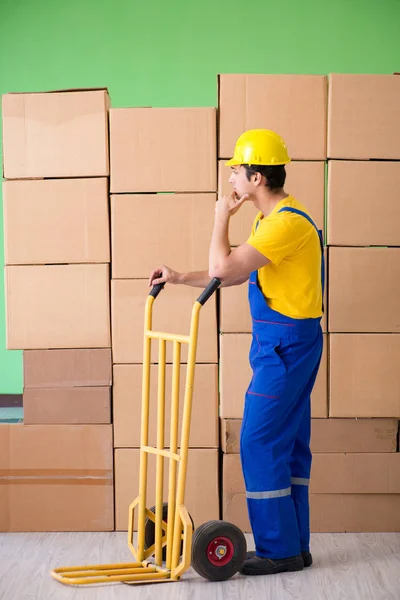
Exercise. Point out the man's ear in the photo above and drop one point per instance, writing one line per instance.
(257, 178)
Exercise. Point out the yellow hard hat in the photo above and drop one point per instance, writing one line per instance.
(259, 147)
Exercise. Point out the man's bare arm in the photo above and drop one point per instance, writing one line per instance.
(200, 279)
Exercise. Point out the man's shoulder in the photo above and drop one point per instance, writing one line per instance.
(297, 216)
(292, 202)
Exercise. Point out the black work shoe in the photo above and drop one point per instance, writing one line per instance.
(307, 557)
(266, 566)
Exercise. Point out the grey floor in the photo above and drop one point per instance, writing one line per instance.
(346, 567)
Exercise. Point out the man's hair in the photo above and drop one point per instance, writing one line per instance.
(274, 174)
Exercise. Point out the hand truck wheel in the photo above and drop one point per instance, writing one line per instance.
(218, 550)
(150, 530)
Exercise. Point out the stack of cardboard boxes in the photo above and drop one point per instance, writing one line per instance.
(57, 467)
(355, 483)
(359, 489)
(163, 184)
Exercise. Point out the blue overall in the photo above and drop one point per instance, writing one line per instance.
(275, 437)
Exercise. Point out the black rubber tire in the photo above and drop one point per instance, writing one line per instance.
(150, 530)
(203, 536)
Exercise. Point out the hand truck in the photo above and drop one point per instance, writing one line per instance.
(166, 546)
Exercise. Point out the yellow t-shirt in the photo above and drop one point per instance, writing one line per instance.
(291, 282)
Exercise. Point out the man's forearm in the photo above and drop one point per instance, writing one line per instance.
(195, 279)
(220, 247)
(202, 279)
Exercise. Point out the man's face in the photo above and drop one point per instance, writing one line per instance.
(239, 181)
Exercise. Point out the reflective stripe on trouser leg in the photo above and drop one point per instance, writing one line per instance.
(268, 495)
(299, 481)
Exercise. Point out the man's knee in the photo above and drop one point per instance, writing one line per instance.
(253, 440)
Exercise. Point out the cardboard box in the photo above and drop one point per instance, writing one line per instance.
(148, 231)
(56, 221)
(364, 375)
(56, 134)
(171, 313)
(202, 495)
(234, 506)
(354, 435)
(78, 405)
(56, 478)
(230, 435)
(364, 473)
(67, 368)
(330, 435)
(364, 287)
(163, 150)
(329, 512)
(52, 306)
(127, 405)
(364, 116)
(235, 376)
(235, 311)
(292, 105)
(355, 215)
(305, 181)
(345, 513)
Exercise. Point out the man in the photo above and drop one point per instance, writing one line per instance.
(283, 261)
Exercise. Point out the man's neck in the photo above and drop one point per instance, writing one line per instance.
(267, 201)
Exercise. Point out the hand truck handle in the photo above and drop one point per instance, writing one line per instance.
(208, 292)
(156, 289)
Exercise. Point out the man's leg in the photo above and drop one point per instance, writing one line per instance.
(300, 465)
(274, 409)
(270, 423)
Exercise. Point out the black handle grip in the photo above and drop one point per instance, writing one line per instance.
(156, 289)
(208, 292)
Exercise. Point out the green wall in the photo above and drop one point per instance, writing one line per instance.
(162, 53)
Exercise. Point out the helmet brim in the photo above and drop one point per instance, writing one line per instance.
(235, 163)
(232, 163)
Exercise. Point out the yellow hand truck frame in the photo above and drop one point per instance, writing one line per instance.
(165, 532)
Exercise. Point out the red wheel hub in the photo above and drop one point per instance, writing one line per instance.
(220, 551)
